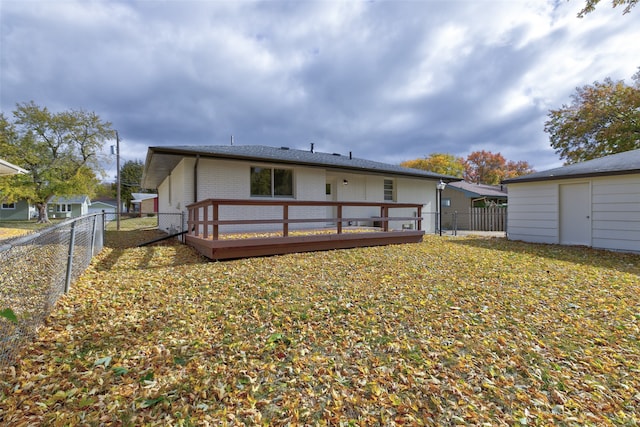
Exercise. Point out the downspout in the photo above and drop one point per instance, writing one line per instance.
(195, 179)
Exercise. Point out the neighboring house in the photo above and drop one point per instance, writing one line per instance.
(17, 211)
(106, 205)
(146, 203)
(594, 203)
(186, 174)
(462, 203)
(68, 207)
(20, 210)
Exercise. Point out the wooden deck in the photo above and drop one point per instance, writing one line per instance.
(205, 236)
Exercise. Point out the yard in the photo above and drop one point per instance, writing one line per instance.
(451, 331)
(11, 229)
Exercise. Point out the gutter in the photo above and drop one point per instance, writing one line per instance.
(195, 179)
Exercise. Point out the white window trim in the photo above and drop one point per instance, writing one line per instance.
(393, 190)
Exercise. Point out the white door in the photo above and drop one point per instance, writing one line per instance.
(575, 214)
(331, 190)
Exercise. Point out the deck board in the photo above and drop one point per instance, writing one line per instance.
(265, 246)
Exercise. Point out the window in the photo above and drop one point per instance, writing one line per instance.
(63, 208)
(271, 182)
(327, 189)
(388, 190)
(8, 206)
(446, 203)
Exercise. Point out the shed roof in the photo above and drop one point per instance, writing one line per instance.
(144, 196)
(112, 203)
(479, 190)
(624, 163)
(161, 160)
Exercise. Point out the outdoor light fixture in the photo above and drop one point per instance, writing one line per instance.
(440, 187)
(345, 182)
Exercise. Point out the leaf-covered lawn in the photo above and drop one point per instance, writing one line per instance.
(452, 331)
(10, 233)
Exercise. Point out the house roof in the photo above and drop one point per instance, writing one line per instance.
(161, 160)
(144, 196)
(624, 163)
(7, 168)
(105, 202)
(479, 190)
(141, 197)
(73, 200)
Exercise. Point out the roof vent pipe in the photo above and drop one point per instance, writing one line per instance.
(350, 156)
(312, 147)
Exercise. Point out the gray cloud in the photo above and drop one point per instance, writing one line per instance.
(389, 81)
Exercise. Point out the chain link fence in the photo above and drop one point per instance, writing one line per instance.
(133, 229)
(35, 270)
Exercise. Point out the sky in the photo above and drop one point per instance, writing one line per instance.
(386, 80)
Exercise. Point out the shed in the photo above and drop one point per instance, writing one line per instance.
(145, 203)
(470, 206)
(106, 205)
(595, 203)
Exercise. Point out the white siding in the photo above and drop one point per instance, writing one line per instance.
(370, 188)
(615, 212)
(230, 179)
(416, 191)
(174, 194)
(532, 212)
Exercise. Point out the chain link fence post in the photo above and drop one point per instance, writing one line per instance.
(72, 242)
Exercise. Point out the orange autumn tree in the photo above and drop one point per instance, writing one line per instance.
(485, 167)
(480, 167)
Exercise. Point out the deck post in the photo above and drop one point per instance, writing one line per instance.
(205, 221)
(285, 223)
(216, 227)
(339, 219)
(419, 215)
(384, 213)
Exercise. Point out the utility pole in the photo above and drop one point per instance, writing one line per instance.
(119, 206)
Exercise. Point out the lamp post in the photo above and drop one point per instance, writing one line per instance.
(440, 187)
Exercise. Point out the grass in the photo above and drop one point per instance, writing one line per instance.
(11, 229)
(135, 223)
(451, 331)
(28, 225)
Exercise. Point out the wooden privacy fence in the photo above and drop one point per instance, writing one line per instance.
(492, 218)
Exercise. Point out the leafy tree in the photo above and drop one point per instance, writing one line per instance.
(515, 169)
(60, 151)
(130, 179)
(446, 164)
(603, 119)
(590, 6)
(106, 190)
(484, 167)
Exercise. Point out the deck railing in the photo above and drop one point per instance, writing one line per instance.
(204, 217)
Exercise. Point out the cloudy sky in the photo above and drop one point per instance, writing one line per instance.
(386, 80)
